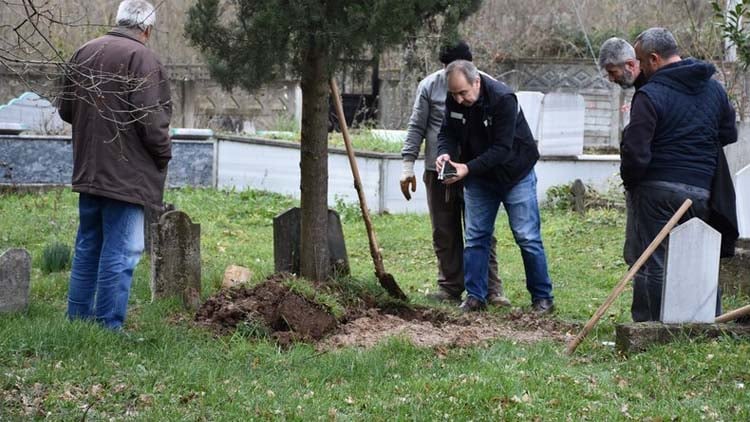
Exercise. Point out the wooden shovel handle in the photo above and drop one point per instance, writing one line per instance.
(573, 344)
(374, 249)
(732, 315)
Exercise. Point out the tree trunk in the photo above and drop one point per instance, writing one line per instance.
(314, 168)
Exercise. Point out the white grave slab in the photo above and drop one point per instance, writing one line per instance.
(33, 111)
(742, 188)
(691, 274)
(562, 124)
(531, 104)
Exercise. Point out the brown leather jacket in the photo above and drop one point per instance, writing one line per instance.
(116, 96)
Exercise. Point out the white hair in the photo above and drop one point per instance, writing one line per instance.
(136, 14)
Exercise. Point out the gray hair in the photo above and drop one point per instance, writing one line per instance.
(615, 51)
(467, 68)
(136, 14)
(659, 41)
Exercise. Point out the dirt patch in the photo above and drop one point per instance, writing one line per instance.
(280, 312)
(422, 329)
(272, 309)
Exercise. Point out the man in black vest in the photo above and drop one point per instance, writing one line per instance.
(679, 120)
(485, 141)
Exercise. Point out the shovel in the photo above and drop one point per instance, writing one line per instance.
(386, 280)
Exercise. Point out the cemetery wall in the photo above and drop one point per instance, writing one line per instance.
(233, 162)
(36, 160)
(198, 101)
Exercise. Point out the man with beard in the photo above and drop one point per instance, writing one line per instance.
(679, 120)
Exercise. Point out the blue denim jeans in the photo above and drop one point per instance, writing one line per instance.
(108, 247)
(482, 201)
(649, 206)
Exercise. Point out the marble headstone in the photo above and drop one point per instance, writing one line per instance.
(562, 124)
(691, 274)
(531, 104)
(742, 188)
(34, 112)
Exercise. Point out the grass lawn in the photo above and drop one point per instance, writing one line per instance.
(164, 368)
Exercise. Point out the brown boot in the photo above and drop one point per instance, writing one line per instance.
(472, 304)
(443, 296)
(496, 299)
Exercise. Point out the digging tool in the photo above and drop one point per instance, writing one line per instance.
(732, 315)
(386, 280)
(573, 344)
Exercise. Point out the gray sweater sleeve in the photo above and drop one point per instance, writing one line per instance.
(417, 129)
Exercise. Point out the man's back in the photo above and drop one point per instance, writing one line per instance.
(117, 98)
(685, 115)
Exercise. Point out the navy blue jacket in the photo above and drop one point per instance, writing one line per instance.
(678, 118)
(491, 136)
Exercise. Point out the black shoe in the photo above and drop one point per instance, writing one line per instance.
(472, 304)
(442, 296)
(542, 306)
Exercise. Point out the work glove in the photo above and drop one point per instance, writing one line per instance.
(408, 178)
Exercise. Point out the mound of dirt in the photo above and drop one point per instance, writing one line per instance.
(288, 317)
(283, 313)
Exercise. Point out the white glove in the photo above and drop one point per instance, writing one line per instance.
(408, 178)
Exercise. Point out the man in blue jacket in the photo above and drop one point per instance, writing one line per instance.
(486, 140)
(679, 120)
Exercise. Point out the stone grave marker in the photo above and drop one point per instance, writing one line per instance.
(691, 274)
(286, 243)
(151, 218)
(531, 104)
(15, 280)
(34, 112)
(562, 124)
(742, 188)
(578, 190)
(176, 259)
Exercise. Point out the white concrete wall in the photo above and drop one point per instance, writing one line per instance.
(274, 167)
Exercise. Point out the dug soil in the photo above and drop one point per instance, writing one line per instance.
(271, 308)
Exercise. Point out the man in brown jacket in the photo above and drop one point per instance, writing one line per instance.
(116, 96)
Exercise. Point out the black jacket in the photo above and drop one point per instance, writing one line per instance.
(491, 136)
(678, 119)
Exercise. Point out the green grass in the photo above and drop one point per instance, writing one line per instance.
(362, 140)
(166, 369)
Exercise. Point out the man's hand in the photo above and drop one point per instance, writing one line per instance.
(440, 160)
(461, 171)
(408, 178)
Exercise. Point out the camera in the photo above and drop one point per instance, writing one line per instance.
(448, 171)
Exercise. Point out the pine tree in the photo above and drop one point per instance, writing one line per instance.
(250, 42)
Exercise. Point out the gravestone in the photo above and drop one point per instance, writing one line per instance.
(151, 217)
(562, 124)
(286, 243)
(742, 188)
(15, 280)
(176, 259)
(531, 104)
(691, 274)
(34, 112)
(578, 190)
